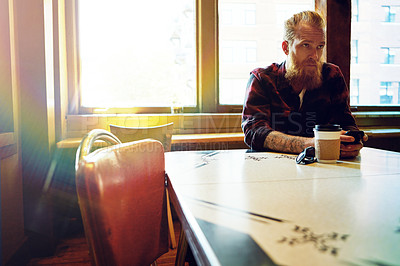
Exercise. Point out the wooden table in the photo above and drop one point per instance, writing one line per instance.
(244, 208)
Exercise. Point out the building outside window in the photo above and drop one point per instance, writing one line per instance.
(385, 92)
(354, 51)
(355, 10)
(262, 39)
(238, 14)
(153, 59)
(354, 92)
(389, 92)
(376, 60)
(136, 58)
(132, 58)
(389, 55)
(390, 13)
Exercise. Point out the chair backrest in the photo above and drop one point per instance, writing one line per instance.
(121, 193)
(88, 142)
(162, 133)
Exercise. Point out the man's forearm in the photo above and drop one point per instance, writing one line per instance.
(281, 142)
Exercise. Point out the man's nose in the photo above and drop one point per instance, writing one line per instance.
(314, 54)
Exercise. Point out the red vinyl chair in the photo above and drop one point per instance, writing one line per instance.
(162, 133)
(121, 193)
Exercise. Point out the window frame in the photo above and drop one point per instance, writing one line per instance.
(337, 51)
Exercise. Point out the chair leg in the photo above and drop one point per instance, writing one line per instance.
(170, 223)
(182, 249)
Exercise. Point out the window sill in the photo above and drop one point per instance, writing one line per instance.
(378, 119)
(177, 140)
(375, 114)
(8, 146)
(6, 139)
(205, 123)
(227, 140)
(187, 123)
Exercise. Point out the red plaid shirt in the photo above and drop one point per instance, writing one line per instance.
(271, 104)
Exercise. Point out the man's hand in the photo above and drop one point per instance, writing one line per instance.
(350, 150)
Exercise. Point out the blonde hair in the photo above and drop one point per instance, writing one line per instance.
(312, 18)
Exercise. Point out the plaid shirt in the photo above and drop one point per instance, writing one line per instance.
(271, 104)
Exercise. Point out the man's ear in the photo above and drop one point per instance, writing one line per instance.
(285, 47)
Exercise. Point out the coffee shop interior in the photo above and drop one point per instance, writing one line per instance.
(70, 67)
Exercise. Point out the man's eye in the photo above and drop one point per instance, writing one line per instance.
(306, 45)
(321, 46)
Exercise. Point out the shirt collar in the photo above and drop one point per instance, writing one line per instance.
(282, 82)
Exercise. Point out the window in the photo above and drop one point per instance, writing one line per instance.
(390, 55)
(238, 14)
(390, 13)
(198, 54)
(235, 93)
(354, 51)
(354, 92)
(238, 51)
(355, 10)
(389, 92)
(133, 58)
(250, 36)
(386, 95)
(377, 60)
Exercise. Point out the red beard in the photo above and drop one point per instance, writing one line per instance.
(299, 76)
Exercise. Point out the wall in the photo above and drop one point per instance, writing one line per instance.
(35, 77)
(27, 127)
(12, 218)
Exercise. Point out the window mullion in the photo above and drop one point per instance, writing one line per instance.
(207, 57)
(338, 20)
(72, 56)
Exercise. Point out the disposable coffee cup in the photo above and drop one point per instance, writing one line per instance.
(327, 143)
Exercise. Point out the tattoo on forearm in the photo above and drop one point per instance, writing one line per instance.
(278, 141)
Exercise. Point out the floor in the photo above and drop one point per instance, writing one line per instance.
(73, 250)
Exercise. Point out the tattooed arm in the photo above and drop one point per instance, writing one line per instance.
(278, 141)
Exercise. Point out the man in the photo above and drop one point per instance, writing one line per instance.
(285, 101)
